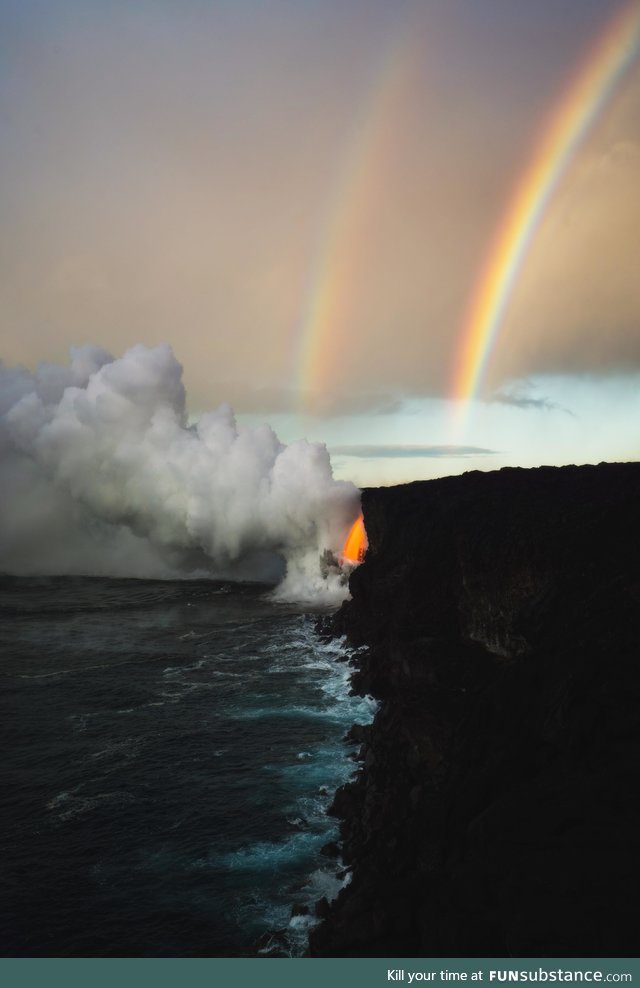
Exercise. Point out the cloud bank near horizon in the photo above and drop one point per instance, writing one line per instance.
(409, 452)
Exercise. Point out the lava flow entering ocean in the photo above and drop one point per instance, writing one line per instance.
(356, 543)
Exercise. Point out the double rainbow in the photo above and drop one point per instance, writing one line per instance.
(329, 291)
(570, 122)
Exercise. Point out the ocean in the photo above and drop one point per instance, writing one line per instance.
(171, 750)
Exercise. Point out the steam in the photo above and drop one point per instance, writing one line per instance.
(102, 474)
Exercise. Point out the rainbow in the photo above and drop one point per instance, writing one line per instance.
(329, 293)
(590, 91)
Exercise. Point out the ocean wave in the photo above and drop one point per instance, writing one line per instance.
(271, 855)
(67, 805)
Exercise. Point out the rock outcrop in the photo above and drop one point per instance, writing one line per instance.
(495, 811)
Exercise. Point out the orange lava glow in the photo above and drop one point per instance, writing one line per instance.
(356, 544)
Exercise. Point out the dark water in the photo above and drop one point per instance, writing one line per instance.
(170, 751)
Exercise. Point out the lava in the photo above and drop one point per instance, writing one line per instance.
(356, 543)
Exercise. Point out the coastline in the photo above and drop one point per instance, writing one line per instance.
(493, 813)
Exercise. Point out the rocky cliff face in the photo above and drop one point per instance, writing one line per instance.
(496, 810)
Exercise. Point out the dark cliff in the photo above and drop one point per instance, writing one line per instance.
(495, 811)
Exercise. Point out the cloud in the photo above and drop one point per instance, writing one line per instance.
(525, 400)
(364, 451)
(102, 475)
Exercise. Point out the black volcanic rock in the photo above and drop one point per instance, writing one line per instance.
(496, 810)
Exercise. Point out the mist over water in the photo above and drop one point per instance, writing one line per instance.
(103, 474)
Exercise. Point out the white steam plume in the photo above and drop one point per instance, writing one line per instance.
(102, 474)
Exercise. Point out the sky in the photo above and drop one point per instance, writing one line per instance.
(306, 201)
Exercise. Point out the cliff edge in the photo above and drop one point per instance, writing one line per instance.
(495, 811)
